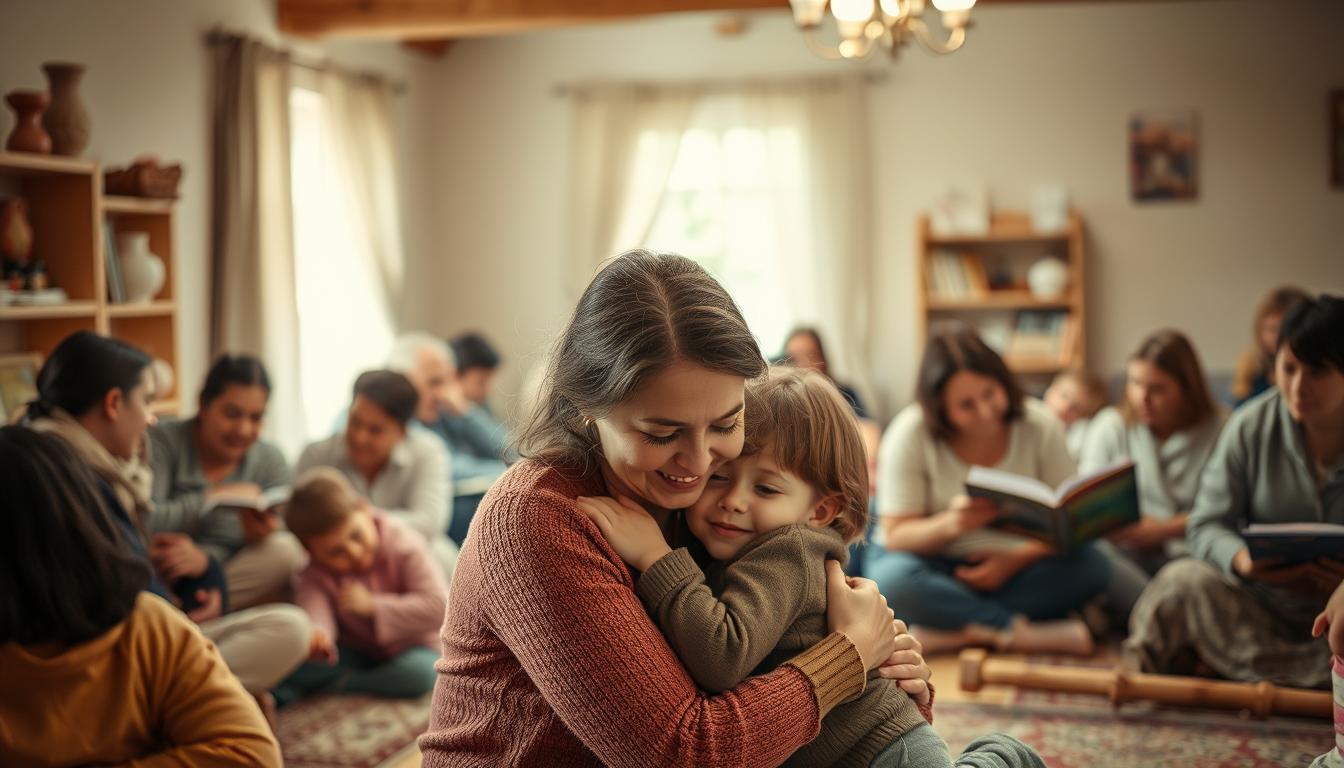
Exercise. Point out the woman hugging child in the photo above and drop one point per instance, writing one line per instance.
(747, 590)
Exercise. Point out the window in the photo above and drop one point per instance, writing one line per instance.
(735, 202)
(344, 325)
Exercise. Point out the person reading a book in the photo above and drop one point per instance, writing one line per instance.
(374, 593)
(1074, 397)
(1167, 425)
(745, 588)
(95, 669)
(937, 558)
(95, 393)
(549, 658)
(1280, 459)
(211, 476)
(1255, 368)
(402, 471)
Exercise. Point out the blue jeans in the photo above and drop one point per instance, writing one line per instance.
(922, 590)
(920, 747)
(464, 509)
(408, 675)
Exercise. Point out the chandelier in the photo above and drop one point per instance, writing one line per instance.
(866, 25)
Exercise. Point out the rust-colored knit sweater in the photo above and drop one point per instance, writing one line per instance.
(549, 658)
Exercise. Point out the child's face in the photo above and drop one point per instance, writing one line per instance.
(751, 496)
(349, 547)
(1065, 399)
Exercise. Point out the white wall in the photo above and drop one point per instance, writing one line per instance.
(148, 90)
(1041, 92)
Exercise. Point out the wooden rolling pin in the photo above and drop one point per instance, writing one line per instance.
(1261, 699)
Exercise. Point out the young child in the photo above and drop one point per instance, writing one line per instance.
(375, 595)
(1075, 396)
(1330, 622)
(763, 532)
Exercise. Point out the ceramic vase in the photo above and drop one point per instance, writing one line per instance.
(66, 119)
(141, 270)
(1048, 278)
(28, 134)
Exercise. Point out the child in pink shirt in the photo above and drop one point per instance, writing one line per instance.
(374, 594)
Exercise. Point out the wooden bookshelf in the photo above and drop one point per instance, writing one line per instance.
(991, 293)
(68, 211)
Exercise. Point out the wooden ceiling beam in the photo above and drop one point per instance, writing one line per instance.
(439, 19)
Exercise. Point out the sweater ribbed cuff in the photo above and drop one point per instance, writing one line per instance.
(835, 670)
(665, 575)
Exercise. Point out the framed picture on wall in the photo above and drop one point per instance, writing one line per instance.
(18, 383)
(1162, 155)
(1337, 138)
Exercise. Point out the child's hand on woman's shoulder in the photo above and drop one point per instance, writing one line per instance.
(628, 528)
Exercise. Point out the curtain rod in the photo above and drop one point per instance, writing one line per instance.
(713, 85)
(220, 36)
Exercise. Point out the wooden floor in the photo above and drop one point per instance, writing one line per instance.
(944, 678)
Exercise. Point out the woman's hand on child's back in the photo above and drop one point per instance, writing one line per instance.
(628, 528)
(906, 665)
(857, 609)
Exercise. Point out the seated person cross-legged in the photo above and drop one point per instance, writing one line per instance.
(218, 454)
(1280, 459)
(375, 596)
(403, 472)
(956, 580)
(94, 669)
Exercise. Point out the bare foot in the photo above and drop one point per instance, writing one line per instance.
(1067, 636)
(936, 641)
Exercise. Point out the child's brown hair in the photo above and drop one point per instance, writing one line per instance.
(803, 420)
(322, 499)
(1090, 384)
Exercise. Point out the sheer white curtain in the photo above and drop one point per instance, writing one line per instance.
(624, 143)
(824, 235)
(252, 244)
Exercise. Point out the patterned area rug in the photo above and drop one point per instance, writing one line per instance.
(349, 731)
(1077, 731)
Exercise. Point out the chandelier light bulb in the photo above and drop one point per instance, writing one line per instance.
(808, 13)
(953, 5)
(852, 10)
(891, 8)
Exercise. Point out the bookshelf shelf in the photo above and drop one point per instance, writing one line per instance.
(65, 310)
(113, 204)
(995, 300)
(170, 407)
(142, 309)
(980, 280)
(72, 224)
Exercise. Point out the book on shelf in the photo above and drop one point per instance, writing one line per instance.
(268, 501)
(116, 285)
(1083, 509)
(954, 275)
(1294, 543)
(1041, 335)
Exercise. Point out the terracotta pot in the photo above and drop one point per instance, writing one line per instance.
(28, 135)
(66, 119)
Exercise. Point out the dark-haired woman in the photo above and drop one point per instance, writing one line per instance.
(404, 472)
(548, 656)
(94, 670)
(957, 581)
(803, 348)
(219, 453)
(1167, 425)
(95, 394)
(1280, 459)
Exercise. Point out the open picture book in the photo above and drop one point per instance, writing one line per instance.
(268, 500)
(1081, 510)
(1293, 543)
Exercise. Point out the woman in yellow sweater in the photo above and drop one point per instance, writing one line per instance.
(93, 669)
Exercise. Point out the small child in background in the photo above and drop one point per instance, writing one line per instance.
(1075, 396)
(1255, 367)
(375, 595)
(754, 593)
